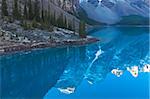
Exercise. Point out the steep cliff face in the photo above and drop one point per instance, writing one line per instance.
(67, 5)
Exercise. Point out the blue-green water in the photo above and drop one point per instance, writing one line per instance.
(81, 71)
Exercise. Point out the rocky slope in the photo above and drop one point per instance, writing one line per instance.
(14, 38)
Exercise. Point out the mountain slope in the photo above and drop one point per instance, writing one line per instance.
(112, 11)
(55, 8)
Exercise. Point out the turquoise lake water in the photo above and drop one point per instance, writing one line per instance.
(116, 67)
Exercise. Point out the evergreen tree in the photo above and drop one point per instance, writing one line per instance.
(31, 15)
(49, 18)
(60, 22)
(69, 25)
(25, 12)
(42, 12)
(49, 13)
(65, 22)
(37, 10)
(19, 9)
(16, 14)
(54, 21)
(82, 32)
(15, 9)
(42, 15)
(4, 8)
(46, 17)
(73, 25)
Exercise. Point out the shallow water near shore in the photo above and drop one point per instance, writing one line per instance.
(116, 67)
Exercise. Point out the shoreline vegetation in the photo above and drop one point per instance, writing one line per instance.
(32, 26)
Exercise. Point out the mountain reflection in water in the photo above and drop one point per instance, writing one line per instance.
(34, 74)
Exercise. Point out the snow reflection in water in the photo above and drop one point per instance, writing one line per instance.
(135, 70)
(126, 51)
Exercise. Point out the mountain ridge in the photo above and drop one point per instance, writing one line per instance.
(113, 11)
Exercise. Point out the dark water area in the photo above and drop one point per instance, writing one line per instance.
(113, 68)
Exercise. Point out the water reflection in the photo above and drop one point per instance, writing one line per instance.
(121, 50)
(124, 50)
(31, 75)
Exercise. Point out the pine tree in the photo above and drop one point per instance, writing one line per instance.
(49, 13)
(4, 8)
(20, 10)
(60, 21)
(15, 10)
(42, 15)
(73, 25)
(25, 12)
(65, 22)
(37, 11)
(49, 18)
(82, 32)
(46, 17)
(31, 15)
(69, 25)
(42, 12)
(54, 21)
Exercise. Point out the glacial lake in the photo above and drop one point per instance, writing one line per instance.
(116, 67)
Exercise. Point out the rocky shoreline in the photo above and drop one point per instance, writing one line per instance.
(27, 47)
(13, 38)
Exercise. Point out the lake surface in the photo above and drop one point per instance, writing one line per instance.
(117, 67)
